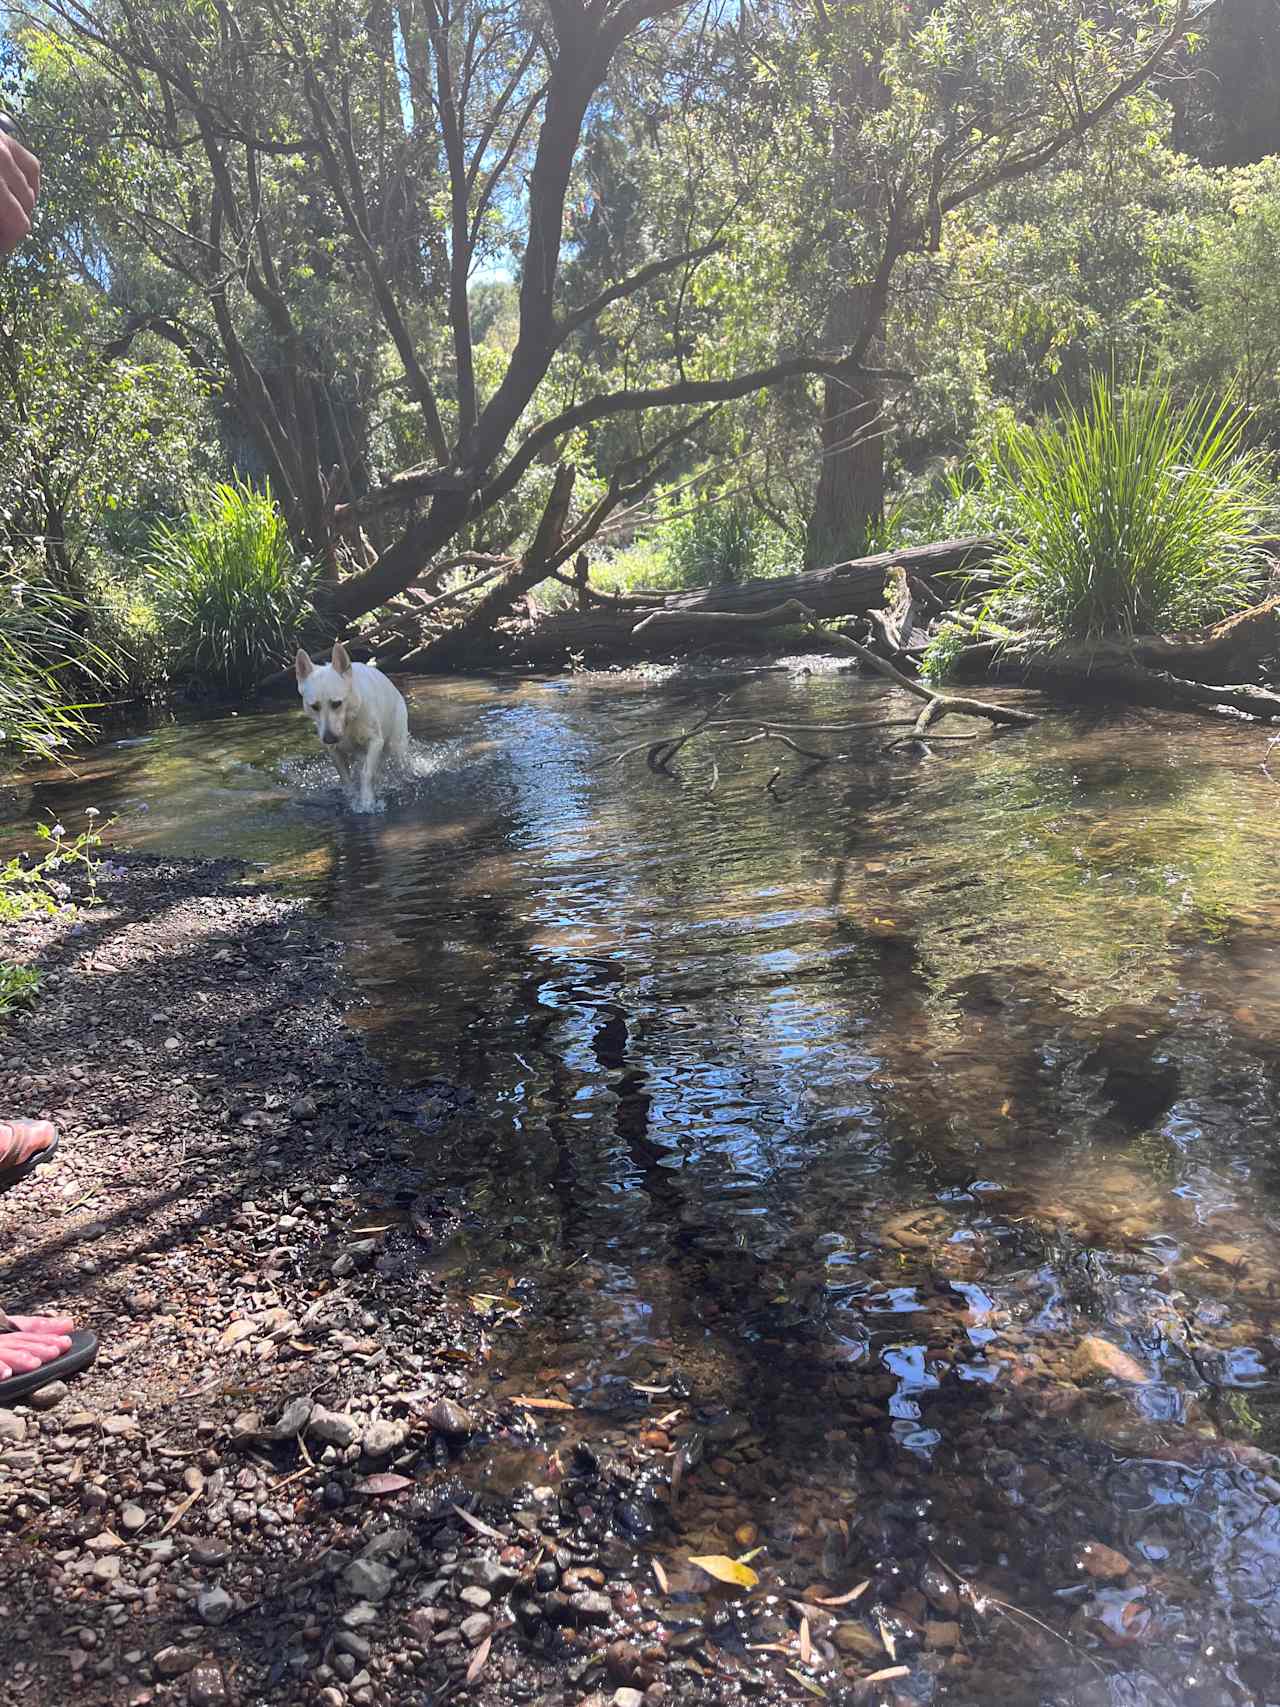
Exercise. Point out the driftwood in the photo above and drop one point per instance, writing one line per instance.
(840, 590)
(720, 621)
(1205, 670)
(746, 731)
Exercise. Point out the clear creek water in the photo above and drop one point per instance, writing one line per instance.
(915, 1127)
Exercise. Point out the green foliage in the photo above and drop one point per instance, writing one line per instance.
(231, 594)
(47, 665)
(1128, 515)
(729, 541)
(35, 884)
(19, 986)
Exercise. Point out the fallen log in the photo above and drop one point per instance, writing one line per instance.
(840, 590)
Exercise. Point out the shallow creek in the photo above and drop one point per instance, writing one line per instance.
(911, 1131)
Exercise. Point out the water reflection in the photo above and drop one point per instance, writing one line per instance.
(923, 1127)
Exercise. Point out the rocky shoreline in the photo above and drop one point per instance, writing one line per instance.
(276, 1483)
(289, 1478)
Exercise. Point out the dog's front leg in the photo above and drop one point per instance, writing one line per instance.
(370, 760)
(342, 764)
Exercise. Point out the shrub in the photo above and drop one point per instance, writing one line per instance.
(51, 676)
(719, 542)
(229, 590)
(1127, 515)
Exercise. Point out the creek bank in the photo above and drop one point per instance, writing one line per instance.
(285, 1477)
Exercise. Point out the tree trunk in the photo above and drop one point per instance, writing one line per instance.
(849, 499)
(840, 589)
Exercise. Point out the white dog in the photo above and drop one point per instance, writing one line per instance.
(360, 716)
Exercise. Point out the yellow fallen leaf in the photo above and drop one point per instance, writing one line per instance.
(887, 1674)
(887, 1637)
(542, 1404)
(661, 1576)
(841, 1599)
(726, 1570)
(746, 1558)
(809, 1684)
(806, 1644)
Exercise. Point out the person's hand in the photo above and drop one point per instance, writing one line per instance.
(19, 187)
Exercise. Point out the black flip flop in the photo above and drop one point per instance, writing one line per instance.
(84, 1348)
(20, 1170)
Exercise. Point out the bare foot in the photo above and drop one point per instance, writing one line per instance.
(28, 1342)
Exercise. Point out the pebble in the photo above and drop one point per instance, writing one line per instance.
(174, 1662)
(12, 1426)
(1101, 1562)
(132, 1518)
(857, 1639)
(206, 1688)
(628, 1698)
(214, 1606)
(293, 1418)
(449, 1418)
(106, 1570)
(494, 1575)
(333, 1426)
(591, 1607)
(939, 1590)
(476, 1628)
(1096, 1356)
(45, 1398)
(383, 1437)
(368, 1580)
(941, 1635)
(475, 1596)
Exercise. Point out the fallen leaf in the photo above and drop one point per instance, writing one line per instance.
(806, 1646)
(746, 1558)
(887, 1674)
(809, 1684)
(637, 1388)
(661, 1576)
(180, 1511)
(480, 1527)
(543, 1404)
(768, 1648)
(383, 1482)
(886, 1636)
(726, 1570)
(842, 1599)
(478, 1659)
(236, 1332)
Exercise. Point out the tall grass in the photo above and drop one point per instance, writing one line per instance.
(1127, 515)
(51, 676)
(230, 591)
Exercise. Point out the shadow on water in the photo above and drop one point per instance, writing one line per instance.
(917, 1137)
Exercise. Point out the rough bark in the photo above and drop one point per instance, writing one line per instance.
(839, 590)
(1208, 669)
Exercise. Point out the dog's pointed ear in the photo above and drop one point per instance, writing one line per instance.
(302, 665)
(340, 661)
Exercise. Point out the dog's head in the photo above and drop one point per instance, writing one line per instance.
(328, 692)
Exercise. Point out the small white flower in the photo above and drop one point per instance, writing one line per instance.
(58, 830)
(92, 812)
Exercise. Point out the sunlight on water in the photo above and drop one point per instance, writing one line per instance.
(924, 1122)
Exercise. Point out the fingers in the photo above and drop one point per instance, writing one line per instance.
(47, 1327)
(15, 221)
(19, 189)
